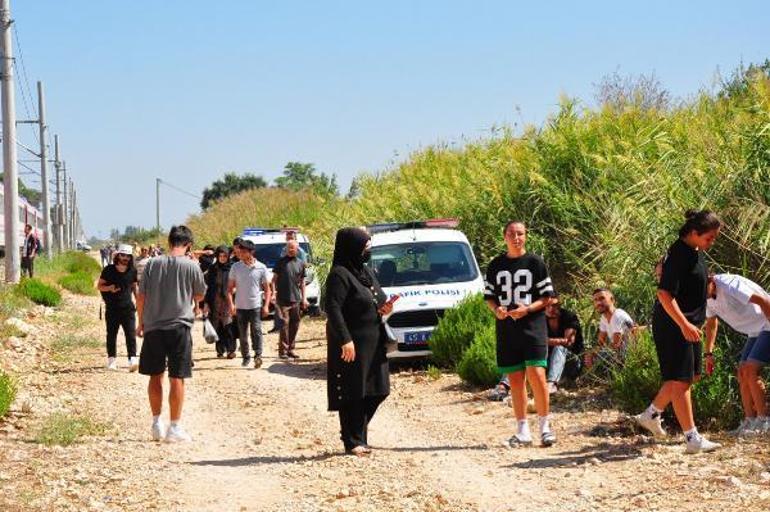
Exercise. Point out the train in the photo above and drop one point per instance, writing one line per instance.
(28, 214)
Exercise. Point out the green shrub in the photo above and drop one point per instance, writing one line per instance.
(716, 398)
(7, 392)
(39, 292)
(634, 384)
(455, 331)
(63, 429)
(67, 263)
(80, 282)
(479, 363)
(11, 301)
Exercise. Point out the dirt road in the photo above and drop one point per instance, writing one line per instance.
(263, 440)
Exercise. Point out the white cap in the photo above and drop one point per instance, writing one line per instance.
(125, 249)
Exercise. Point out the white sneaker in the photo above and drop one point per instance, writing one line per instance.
(552, 388)
(748, 427)
(133, 364)
(698, 443)
(652, 425)
(157, 431)
(177, 434)
(762, 426)
(112, 363)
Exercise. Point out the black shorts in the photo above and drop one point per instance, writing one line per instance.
(678, 358)
(515, 352)
(172, 345)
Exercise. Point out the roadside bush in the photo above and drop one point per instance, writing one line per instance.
(80, 282)
(7, 392)
(455, 331)
(479, 363)
(716, 398)
(39, 292)
(67, 263)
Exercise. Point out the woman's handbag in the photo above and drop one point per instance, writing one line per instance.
(209, 333)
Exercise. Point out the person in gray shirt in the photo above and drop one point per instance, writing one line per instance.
(170, 285)
(247, 283)
(289, 283)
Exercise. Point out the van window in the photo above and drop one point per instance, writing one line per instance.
(423, 263)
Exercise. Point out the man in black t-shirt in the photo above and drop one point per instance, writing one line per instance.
(517, 289)
(118, 284)
(565, 343)
(289, 284)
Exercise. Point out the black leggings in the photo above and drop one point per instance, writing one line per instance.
(117, 318)
(355, 418)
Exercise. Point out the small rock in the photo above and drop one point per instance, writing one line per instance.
(764, 476)
(477, 410)
(583, 493)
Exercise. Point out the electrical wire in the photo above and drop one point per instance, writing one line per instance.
(25, 81)
(179, 189)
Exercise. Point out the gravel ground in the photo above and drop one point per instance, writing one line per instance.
(263, 440)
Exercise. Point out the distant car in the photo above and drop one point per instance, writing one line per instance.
(431, 265)
(82, 246)
(270, 244)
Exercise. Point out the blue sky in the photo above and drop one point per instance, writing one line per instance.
(187, 90)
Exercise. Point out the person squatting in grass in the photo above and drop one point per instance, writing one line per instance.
(615, 329)
(517, 289)
(678, 311)
(744, 306)
(171, 285)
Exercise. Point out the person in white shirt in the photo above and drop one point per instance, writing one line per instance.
(744, 306)
(615, 328)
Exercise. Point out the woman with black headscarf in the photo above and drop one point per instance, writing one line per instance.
(216, 307)
(358, 379)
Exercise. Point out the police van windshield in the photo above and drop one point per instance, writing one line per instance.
(423, 263)
(269, 254)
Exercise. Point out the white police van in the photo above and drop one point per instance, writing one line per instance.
(431, 265)
(270, 244)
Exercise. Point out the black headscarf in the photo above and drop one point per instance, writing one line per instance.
(348, 252)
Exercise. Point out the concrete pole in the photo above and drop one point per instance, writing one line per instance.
(11, 176)
(59, 229)
(44, 173)
(65, 210)
(157, 210)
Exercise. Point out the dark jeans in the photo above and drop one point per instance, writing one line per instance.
(115, 319)
(290, 318)
(226, 342)
(354, 421)
(250, 324)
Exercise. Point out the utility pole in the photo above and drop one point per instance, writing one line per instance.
(44, 173)
(11, 176)
(65, 212)
(73, 202)
(157, 210)
(59, 228)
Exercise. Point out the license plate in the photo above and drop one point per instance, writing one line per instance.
(417, 338)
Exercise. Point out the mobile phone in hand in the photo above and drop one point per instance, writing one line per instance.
(393, 298)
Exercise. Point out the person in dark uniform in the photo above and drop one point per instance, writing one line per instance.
(358, 378)
(118, 286)
(678, 314)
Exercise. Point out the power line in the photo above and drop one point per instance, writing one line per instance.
(25, 82)
(180, 190)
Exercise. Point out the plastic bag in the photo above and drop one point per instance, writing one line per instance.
(209, 333)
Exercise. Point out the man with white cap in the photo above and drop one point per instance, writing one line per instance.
(118, 284)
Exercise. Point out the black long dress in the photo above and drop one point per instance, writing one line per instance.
(351, 310)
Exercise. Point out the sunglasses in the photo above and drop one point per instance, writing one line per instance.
(124, 260)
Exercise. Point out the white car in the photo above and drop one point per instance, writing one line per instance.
(270, 244)
(431, 265)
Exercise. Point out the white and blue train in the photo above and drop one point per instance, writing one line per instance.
(28, 214)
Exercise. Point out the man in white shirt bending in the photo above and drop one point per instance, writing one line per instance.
(745, 307)
(615, 328)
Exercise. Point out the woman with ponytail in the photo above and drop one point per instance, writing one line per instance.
(678, 315)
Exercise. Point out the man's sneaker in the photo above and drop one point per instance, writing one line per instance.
(133, 364)
(283, 356)
(231, 355)
(246, 362)
(498, 394)
(652, 425)
(517, 441)
(762, 426)
(112, 363)
(293, 355)
(157, 431)
(747, 428)
(547, 438)
(177, 434)
(697, 443)
(552, 388)
(257, 362)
